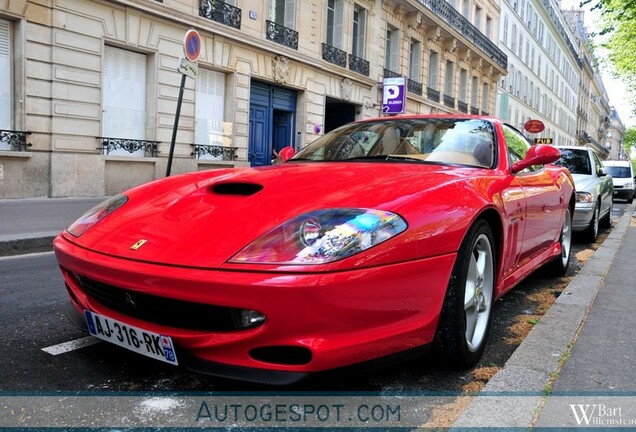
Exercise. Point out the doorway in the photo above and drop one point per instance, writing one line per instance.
(338, 113)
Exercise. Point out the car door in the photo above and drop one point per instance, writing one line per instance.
(606, 186)
(543, 201)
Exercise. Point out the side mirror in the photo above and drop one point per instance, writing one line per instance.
(539, 154)
(286, 153)
(602, 172)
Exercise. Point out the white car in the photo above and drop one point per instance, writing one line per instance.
(623, 175)
(594, 190)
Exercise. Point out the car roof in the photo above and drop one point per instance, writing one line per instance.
(617, 163)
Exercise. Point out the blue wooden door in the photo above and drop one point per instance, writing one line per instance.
(282, 130)
(260, 148)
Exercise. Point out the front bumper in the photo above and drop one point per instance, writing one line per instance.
(583, 213)
(341, 318)
(622, 193)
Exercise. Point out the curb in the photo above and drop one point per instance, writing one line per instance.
(538, 360)
(24, 244)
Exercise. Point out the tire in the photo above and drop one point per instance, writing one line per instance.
(606, 221)
(467, 310)
(591, 233)
(559, 266)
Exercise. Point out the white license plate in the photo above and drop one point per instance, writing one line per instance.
(150, 344)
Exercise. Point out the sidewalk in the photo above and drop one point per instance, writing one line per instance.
(30, 225)
(578, 364)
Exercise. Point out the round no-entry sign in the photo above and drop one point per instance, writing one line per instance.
(192, 45)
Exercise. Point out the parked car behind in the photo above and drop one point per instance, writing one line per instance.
(594, 190)
(623, 177)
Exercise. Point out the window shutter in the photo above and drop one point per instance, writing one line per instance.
(5, 75)
(124, 95)
(209, 110)
(290, 14)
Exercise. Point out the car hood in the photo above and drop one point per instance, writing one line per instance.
(584, 182)
(203, 219)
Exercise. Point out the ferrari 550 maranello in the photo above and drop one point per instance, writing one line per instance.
(379, 239)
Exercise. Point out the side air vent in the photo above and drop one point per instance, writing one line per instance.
(244, 189)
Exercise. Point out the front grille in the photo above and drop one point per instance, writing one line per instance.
(161, 310)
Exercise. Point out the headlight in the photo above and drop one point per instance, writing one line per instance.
(322, 236)
(629, 184)
(97, 213)
(584, 197)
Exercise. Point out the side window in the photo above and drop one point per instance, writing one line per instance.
(597, 163)
(518, 146)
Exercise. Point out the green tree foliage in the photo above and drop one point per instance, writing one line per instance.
(619, 24)
(629, 140)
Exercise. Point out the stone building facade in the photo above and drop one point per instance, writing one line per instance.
(92, 86)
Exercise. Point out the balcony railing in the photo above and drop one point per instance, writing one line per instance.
(414, 87)
(388, 73)
(432, 94)
(227, 153)
(221, 12)
(474, 110)
(449, 101)
(334, 55)
(15, 139)
(462, 107)
(358, 65)
(282, 35)
(457, 21)
(130, 145)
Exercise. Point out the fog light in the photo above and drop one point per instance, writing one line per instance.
(250, 318)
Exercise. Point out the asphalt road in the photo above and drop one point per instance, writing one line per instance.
(31, 318)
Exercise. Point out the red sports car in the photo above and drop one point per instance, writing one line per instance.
(377, 240)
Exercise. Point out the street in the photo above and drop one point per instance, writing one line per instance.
(31, 315)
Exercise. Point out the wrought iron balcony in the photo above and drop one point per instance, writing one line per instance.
(457, 21)
(414, 87)
(358, 65)
(449, 101)
(15, 139)
(462, 107)
(130, 145)
(228, 153)
(334, 55)
(221, 12)
(474, 110)
(282, 35)
(388, 73)
(432, 94)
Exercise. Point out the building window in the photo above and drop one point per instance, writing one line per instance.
(463, 85)
(450, 78)
(504, 36)
(283, 12)
(474, 92)
(359, 24)
(209, 109)
(489, 28)
(6, 79)
(478, 11)
(433, 70)
(335, 12)
(466, 9)
(415, 64)
(513, 39)
(392, 49)
(124, 97)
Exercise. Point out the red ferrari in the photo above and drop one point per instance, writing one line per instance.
(379, 239)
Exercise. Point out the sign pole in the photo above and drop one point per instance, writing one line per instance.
(187, 67)
(176, 126)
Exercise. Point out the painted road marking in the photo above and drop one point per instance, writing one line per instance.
(71, 345)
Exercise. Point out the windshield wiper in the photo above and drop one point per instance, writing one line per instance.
(385, 158)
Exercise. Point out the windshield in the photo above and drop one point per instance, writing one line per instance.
(619, 171)
(450, 141)
(575, 160)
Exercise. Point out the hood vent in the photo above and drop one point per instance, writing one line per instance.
(244, 189)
